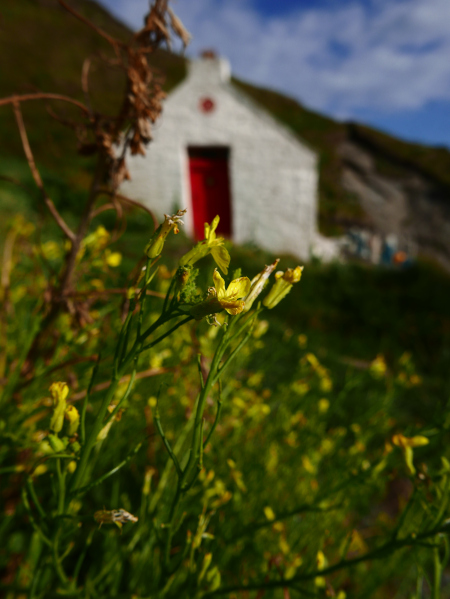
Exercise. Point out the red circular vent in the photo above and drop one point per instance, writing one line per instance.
(207, 105)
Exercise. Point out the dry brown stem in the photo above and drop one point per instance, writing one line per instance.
(37, 176)
(102, 134)
(127, 200)
(76, 14)
(42, 96)
(85, 82)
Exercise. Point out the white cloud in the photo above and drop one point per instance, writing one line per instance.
(340, 59)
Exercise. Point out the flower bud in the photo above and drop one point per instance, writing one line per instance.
(71, 414)
(59, 393)
(258, 283)
(282, 286)
(56, 443)
(71, 466)
(156, 243)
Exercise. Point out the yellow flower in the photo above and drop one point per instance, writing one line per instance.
(269, 513)
(282, 286)
(59, 393)
(406, 444)
(156, 243)
(323, 404)
(72, 466)
(378, 367)
(229, 299)
(113, 259)
(220, 298)
(321, 560)
(211, 244)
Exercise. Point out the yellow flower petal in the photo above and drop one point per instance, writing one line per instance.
(210, 230)
(238, 288)
(59, 392)
(418, 441)
(232, 307)
(219, 284)
(221, 257)
(293, 275)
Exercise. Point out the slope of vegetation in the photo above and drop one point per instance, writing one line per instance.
(41, 51)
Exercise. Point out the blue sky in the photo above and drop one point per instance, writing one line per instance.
(381, 62)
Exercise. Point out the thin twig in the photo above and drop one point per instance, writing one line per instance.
(85, 82)
(36, 174)
(128, 200)
(104, 208)
(42, 96)
(109, 38)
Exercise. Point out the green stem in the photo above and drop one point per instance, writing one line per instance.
(57, 560)
(403, 515)
(99, 420)
(169, 332)
(86, 401)
(36, 578)
(62, 487)
(201, 406)
(162, 319)
(126, 394)
(90, 442)
(166, 299)
(102, 478)
(199, 368)
(444, 503)
(232, 355)
(80, 560)
(216, 420)
(120, 349)
(196, 449)
(437, 571)
(167, 445)
(33, 522)
(156, 496)
(34, 497)
(379, 553)
(13, 377)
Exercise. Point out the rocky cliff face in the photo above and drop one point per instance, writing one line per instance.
(405, 203)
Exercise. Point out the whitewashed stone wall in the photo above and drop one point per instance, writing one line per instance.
(273, 177)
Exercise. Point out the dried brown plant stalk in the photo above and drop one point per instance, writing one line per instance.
(102, 135)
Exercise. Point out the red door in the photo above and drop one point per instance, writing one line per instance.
(210, 189)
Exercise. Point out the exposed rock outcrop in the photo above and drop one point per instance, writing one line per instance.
(407, 204)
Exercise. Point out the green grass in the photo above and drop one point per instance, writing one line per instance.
(284, 441)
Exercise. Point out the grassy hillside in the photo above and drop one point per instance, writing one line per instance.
(43, 48)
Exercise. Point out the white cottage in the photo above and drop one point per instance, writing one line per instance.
(216, 152)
